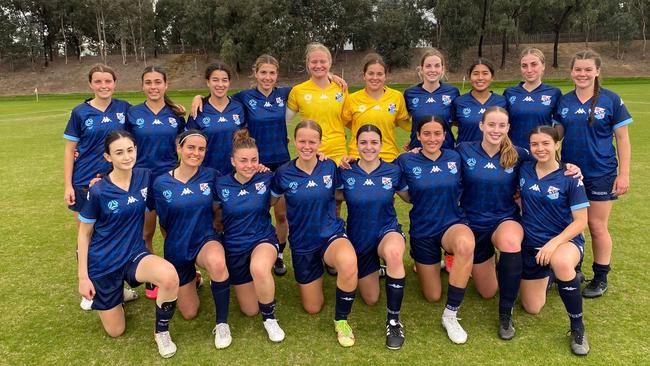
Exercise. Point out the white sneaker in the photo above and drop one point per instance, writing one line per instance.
(276, 334)
(86, 304)
(130, 295)
(222, 337)
(455, 332)
(166, 347)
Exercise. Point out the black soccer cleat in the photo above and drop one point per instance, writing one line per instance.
(279, 268)
(594, 289)
(394, 334)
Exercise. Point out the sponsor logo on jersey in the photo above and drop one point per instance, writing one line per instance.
(446, 99)
(417, 171)
(451, 165)
(471, 163)
(392, 108)
(564, 112)
(279, 101)
(553, 193)
(120, 117)
(168, 195)
(252, 103)
(368, 182)
(143, 192)
(172, 122)
(528, 99)
(205, 188)
(350, 181)
(242, 192)
(339, 97)
(268, 104)
(489, 165)
(186, 191)
(430, 100)
(435, 169)
(222, 119)
(225, 194)
(308, 97)
(156, 122)
(512, 99)
(206, 121)
(293, 186)
(311, 184)
(535, 188)
(362, 108)
(599, 112)
(415, 101)
(546, 99)
(113, 205)
(89, 122)
(467, 111)
(260, 187)
(327, 179)
(580, 111)
(131, 200)
(139, 122)
(386, 182)
(106, 119)
(235, 118)
(481, 111)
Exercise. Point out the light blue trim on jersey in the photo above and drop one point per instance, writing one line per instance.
(579, 206)
(71, 138)
(275, 194)
(554, 122)
(405, 189)
(624, 123)
(86, 221)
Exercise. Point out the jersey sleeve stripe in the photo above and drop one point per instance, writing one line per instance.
(623, 123)
(579, 206)
(275, 194)
(70, 137)
(86, 220)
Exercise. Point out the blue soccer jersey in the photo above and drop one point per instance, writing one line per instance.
(547, 204)
(88, 127)
(155, 136)
(469, 112)
(421, 103)
(528, 110)
(118, 218)
(311, 207)
(220, 128)
(245, 211)
(369, 198)
(265, 117)
(488, 188)
(186, 212)
(435, 189)
(590, 147)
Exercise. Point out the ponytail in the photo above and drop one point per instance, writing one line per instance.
(509, 154)
(242, 140)
(594, 99)
(173, 106)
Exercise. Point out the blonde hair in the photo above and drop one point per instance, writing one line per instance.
(242, 140)
(509, 154)
(315, 46)
(590, 55)
(428, 52)
(535, 52)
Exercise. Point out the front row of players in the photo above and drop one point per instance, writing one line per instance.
(547, 237)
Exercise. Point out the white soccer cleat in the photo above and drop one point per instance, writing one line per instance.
(166, 347)
(222, 337)
(86, 304)
(455, 332)
(276, 334)
(130, 295)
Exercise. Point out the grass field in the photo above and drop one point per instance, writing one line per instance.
(42, 322)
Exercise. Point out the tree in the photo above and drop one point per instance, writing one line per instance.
(457, 28)
(556, 14)
(640, 8)
(622, 25)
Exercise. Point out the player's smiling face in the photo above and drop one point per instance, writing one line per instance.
(375, 77)
(369, 146)
(245, 161)
(481, 78)
(154, 85)
(431, 135)
(318, 64)
(432, 69)
(122, 154)
(102, 84)
(266, 76)
(307, 143)
(218, 83)
(543, 147)
(532, 68)
(495, 127)
(584, 73)
(192, 152)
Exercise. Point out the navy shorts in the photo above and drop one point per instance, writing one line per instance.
(484, 247)
(239, 264)
(368, 262)
(533, 271)
(274, 166)
(109, 289)
(428, 250)
(600, 188)
(187, 270)
(308, 267)
(80, 198)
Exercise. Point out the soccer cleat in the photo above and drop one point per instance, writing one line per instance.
(129, 295)
(506, 327)
(344, 333)
(86, 304)
(382, 271)
(594, 289)
(166, 347)
(276, 334)
(455, 332)
(279, 268)
(198, 280)
(579, 344)
(222, 337)
(331, 270)
(581, 276)
(394, 334)
(151, 291)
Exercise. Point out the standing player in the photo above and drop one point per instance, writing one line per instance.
(431, 97)
(588, 117)
(378, 105)
(184, 202)
(110, 245)
(155, 125)
(554, 214)
(220, 118)
(531, 103)
(368, 188)
(469, 107)
(315, 233)
(90, 122)
(433, 177)
(249, 237)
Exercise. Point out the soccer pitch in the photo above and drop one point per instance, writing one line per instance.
(43, 324)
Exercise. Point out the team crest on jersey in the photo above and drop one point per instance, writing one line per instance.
(546, 99)
(339, 97)
(235, 118)
(267, 104)
(225, 194)
(172, 122)
(417, 171)
(131, 200)
(206, 121)
(106, 119)
(253, 104)
(512, 99)
(509, 170)
(143, 193)
(467, 111)
(471, 163)
(89, 122)
(553, 193)
(386, 182)
(279, 101)
(446, 99)
(156, 122)
(205, 188)
(308, 98)
(415, 101)
(260, 187)
(599, 112)
(120, 117)
(139, 122)
(350, 181)
(392, 108)
(113, 205)
(451, 165)
(293, 186)
(564, 112)
(362, 108)
(168, 195)
(327, 179)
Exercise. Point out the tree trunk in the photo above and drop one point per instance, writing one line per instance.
(504, 48)
(480, 40)
(123, 49)
(65, 41)
(134, 40)
(556, 29)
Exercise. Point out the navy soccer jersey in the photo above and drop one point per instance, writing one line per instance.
(245, 211)
(186, 213)
(488, 188)
(88, 127)
(369, 198)
(435, 189)
(590, 147)
(528, 110)
(421, 103)
(266, 121)
(118, 218)
(547, 204)
(219, 127)
(311, 207)
(155, 136)
(469, 112)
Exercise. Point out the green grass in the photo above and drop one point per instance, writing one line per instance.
(42, 322)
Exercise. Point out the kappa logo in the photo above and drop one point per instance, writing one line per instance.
(324, 96)
(131, 200)
(452, 167)
(222, 119)
(205, 188)
(260, 187)
(580, 183)
(368, 182)
(599, 113)
(120, 117)
(235, 118)
(621, 101)
(186, 191)
(535, 188)
(446, 99)
(268, 104)
(252, 103)
(242, 192)
(139, 122)
(143, 192)
(279, 101)
(489, 166)
(481, 111)
(106, 119)
(386, 182)
(172, 122)
(546, 99)
(528, 99)
(580, 111)
(430, 100)
(376, 108)
(311, 184)
(206, 121)
(156, 122)
(435, 169)
(553, 193)
(327, 179)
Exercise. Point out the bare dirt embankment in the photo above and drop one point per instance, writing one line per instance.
(186, 71)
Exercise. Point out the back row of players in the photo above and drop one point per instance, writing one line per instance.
(554, 206)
